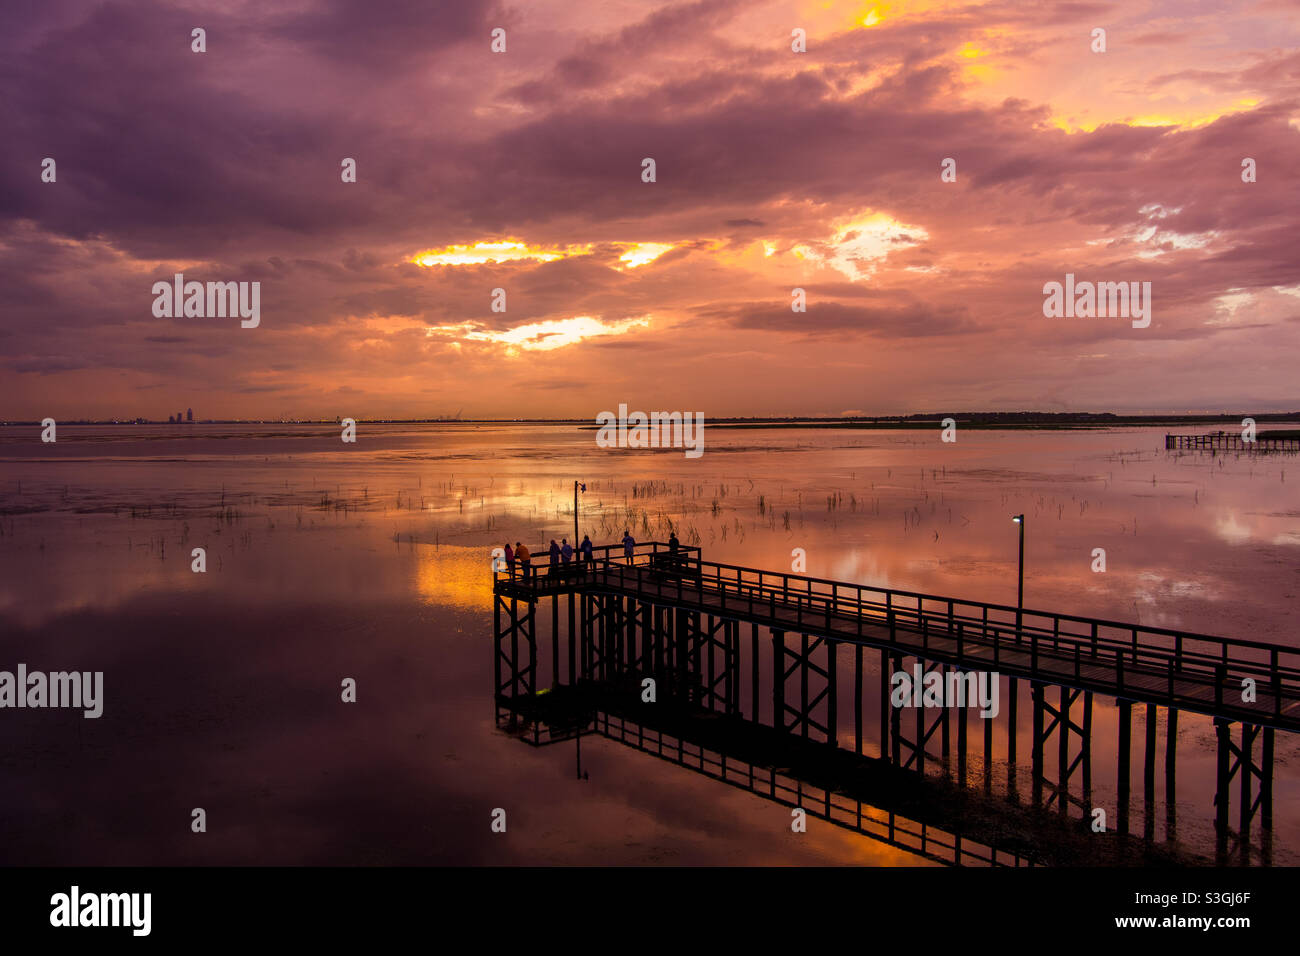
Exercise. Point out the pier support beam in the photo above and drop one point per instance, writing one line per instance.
(857, 699)
(1036, 750)
(555, 641)
(778, 680)
(1171, 789)
(815, 694)
(1125, 743)
(887, 751)
(924, 729)
(962, 717)
(1149, 777)
(1256, 784)
(573, 673)
(517, 678)
(711, 650)
(1063, 726)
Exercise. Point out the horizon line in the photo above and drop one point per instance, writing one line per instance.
(969, 417)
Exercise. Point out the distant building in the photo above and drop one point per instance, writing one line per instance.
(170, 420)
(179, 419)
(189, 414)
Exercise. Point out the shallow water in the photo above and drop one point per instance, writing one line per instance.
(371, 561)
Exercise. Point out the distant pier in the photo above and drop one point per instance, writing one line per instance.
(1232, 441)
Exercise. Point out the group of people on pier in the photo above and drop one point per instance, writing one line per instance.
(563, 553)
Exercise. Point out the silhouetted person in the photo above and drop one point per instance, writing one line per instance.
(629, 543)
(554, 553)
(673, 543)
(566, 550)
(586, 549)
(510, 559)
(525, 560)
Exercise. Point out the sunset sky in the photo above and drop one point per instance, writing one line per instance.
(522, 170)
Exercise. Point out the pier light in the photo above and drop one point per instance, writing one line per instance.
(1020, 577)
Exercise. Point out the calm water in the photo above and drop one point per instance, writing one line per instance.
(371, 561)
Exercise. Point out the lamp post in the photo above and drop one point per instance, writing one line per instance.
(1020, 576)
(577, 486)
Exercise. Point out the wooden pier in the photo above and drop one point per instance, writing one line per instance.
(693, 627)
(1232, 441)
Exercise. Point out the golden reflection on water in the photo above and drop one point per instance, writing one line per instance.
(457, 576)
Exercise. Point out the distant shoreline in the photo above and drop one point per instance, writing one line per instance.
(984, 420)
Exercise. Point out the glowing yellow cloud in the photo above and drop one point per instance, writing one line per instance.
(517, 250)
(858, 243)
(874, 15)
(643, 252)
(503, 250)
(540, 336)
(1185, 121)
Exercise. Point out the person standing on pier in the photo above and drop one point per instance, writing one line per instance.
(525, 559)
(566, 550)
(629, 543)
(554, 553)
(585, 548)
(510, 559)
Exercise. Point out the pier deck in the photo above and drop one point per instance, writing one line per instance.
(1196, 672)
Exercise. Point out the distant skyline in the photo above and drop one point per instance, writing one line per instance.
(522, 171)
